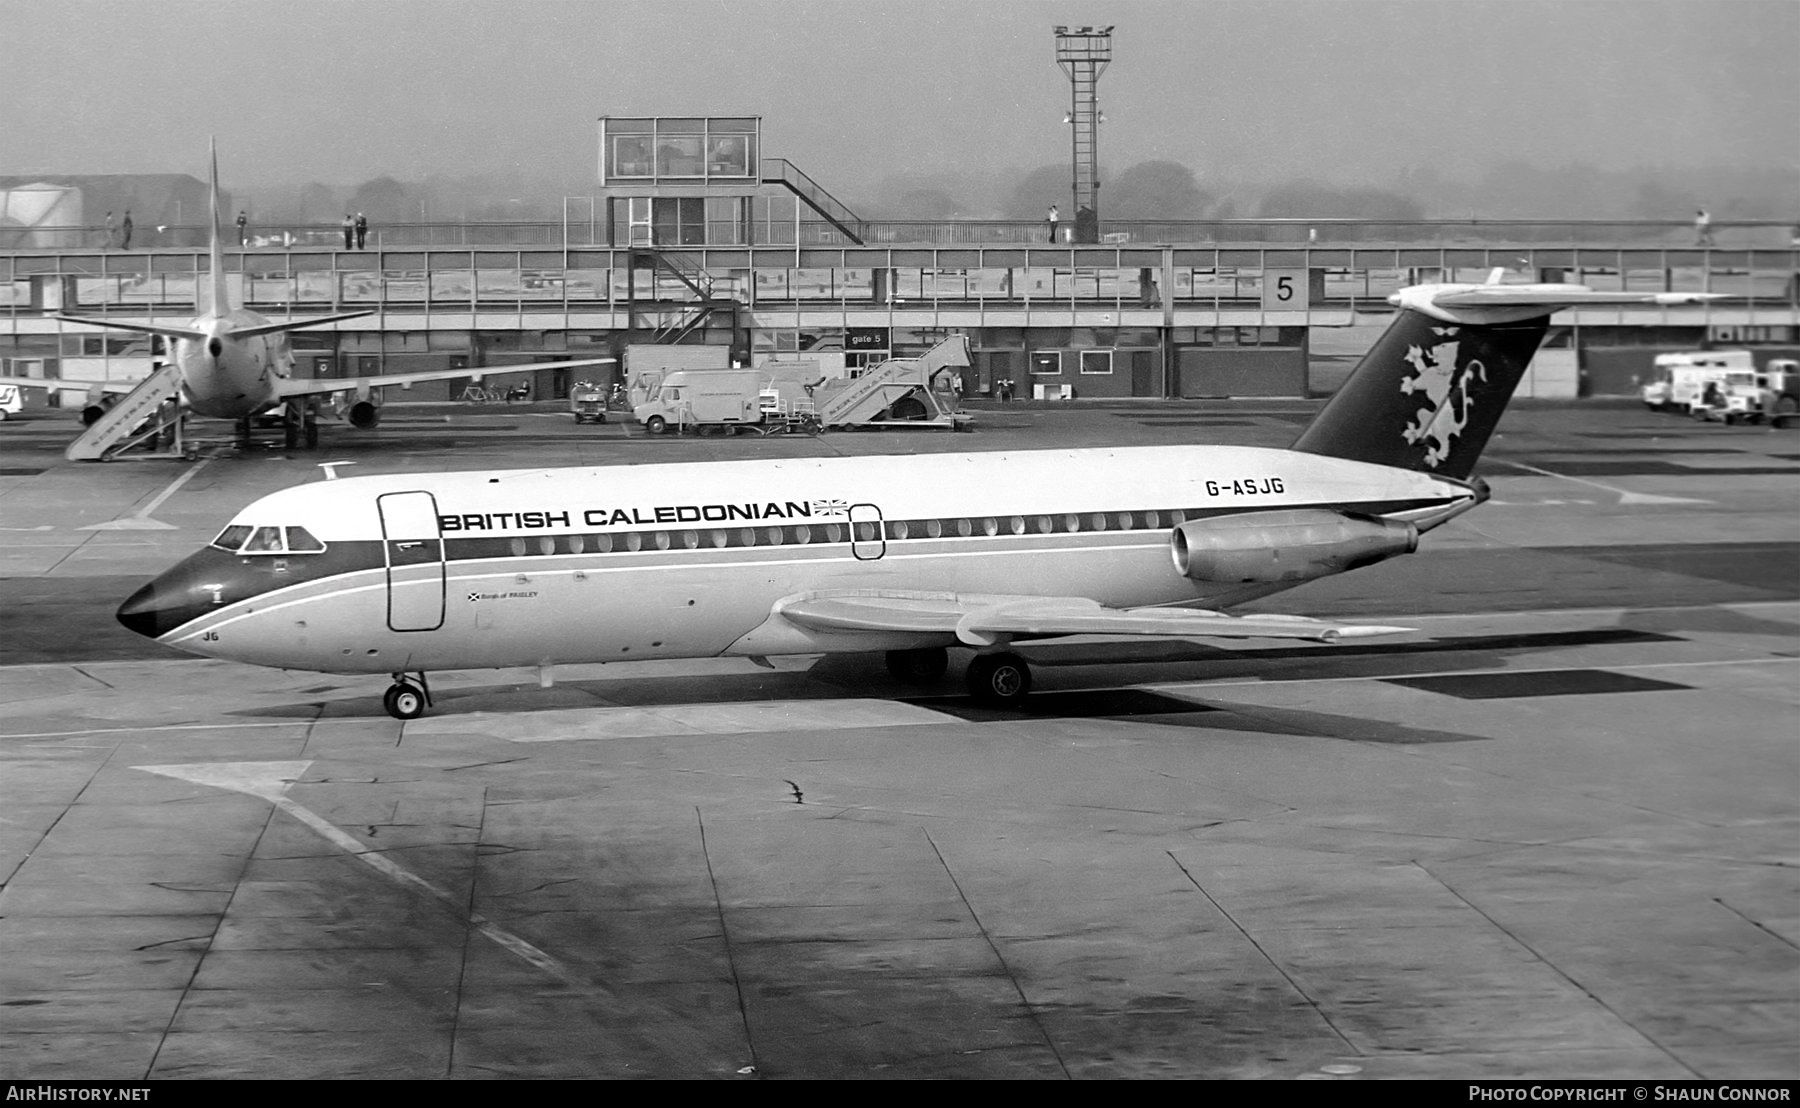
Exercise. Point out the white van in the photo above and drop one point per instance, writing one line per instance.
(12, 401)
(1681, 379)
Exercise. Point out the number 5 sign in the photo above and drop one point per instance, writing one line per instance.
(1284, 290)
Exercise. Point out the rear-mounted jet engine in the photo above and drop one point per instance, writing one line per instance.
(1268, 547)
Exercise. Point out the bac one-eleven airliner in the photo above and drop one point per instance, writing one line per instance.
(415, 572)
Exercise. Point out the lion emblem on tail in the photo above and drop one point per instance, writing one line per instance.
(1444, 386)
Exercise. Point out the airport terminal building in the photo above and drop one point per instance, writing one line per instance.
(693, 235)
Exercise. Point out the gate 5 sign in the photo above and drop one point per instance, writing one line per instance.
(1284, 290)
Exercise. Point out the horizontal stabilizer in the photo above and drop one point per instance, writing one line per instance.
(167, 331)
(295, 324)
(173, 332)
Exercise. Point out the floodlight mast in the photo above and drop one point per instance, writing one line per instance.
(1083, 53)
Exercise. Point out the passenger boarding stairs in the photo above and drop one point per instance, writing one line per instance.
(674, 324)
(140, 414)
(903, 390)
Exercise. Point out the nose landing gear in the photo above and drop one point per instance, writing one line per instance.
(406, 699)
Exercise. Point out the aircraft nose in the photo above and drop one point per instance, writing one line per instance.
(143, 613)
(202, 583)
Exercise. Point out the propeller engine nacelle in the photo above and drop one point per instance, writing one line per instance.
(1298, 545)
(364, 415)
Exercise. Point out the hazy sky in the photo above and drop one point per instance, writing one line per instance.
(853, 91)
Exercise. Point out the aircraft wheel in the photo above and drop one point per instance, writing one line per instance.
(404, 701)
(999, 679)
(918, 667)
(656, 425)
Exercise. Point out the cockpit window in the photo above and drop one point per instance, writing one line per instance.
(232, 537)
(239, 539)
(301, 541)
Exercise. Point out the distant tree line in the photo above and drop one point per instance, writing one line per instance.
(1149, 190)
(1168, 190)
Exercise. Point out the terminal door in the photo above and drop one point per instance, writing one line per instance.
(415, 561)
(638, 221)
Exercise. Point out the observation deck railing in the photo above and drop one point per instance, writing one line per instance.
(1245, 233)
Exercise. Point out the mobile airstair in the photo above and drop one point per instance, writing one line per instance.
(900, 392)
(141, 414)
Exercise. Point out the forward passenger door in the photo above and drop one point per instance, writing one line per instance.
(414, 549)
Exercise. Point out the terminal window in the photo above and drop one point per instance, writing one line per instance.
(728, 156)
(631, 155)
(679, 156)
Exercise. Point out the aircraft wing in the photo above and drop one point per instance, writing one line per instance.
(981, 620)
(323, 386)
(1524, 296)
(57, 383)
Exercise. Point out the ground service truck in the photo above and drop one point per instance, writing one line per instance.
(790, 395)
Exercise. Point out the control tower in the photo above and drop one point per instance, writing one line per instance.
(1083, 53)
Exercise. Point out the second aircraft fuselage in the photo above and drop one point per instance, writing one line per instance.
(474, 570)
(228, 376)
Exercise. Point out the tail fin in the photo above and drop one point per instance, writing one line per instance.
(221, 299)
(1427, 395)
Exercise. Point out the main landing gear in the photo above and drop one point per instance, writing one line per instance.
(999, 680)
(407, 699)
(301, 424)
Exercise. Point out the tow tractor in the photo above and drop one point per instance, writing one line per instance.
(588, 401)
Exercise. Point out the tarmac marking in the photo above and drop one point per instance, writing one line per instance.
(270, 781)
(1625, 496)
(734, 718)
(140, 520)
(151, 730)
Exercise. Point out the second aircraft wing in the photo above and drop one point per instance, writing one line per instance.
(323, 386)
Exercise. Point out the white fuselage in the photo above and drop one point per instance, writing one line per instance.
(688, 560)
(230, 377)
